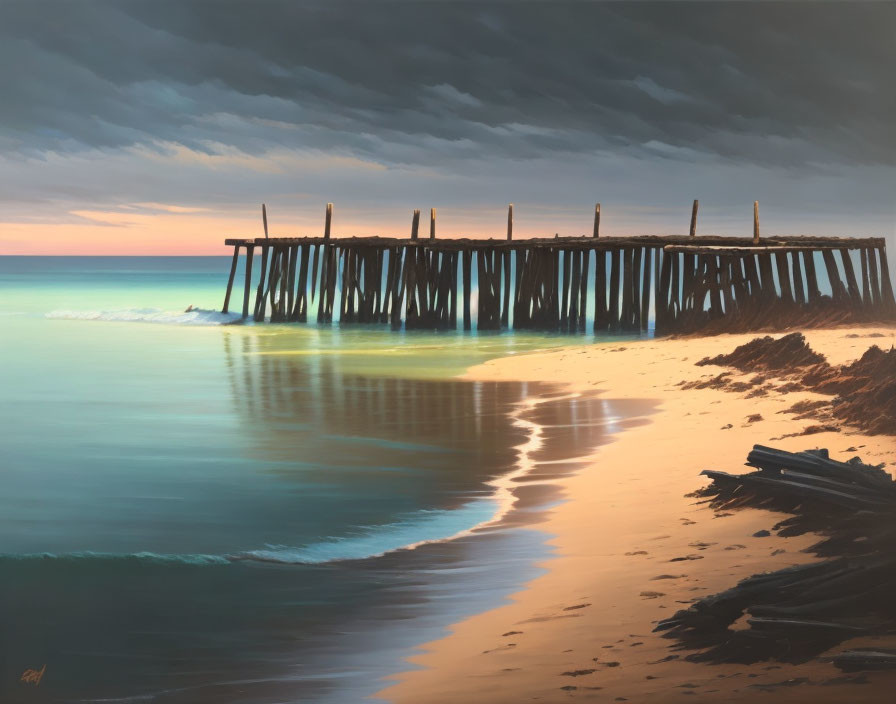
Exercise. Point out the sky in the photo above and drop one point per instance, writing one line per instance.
(160, 127)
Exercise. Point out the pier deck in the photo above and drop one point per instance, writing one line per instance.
(684, 283)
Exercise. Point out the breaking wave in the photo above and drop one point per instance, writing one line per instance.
(426, 526)
(197, 316)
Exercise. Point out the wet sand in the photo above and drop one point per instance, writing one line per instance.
(630, 548)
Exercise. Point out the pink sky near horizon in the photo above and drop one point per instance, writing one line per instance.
(181, 230)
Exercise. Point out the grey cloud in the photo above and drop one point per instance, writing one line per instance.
(789, 84)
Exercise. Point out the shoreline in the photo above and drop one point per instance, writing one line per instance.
(626, 540)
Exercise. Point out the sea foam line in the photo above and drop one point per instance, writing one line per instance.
(196, 316)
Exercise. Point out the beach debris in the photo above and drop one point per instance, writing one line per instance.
(859, 659)
(768, 354)
(796, 613)
(864, 391)
(577, 606)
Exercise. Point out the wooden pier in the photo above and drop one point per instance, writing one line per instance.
(687, 283)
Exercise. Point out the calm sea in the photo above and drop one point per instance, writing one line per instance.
(198, 512)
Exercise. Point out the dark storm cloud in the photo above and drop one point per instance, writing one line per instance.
(416, 83)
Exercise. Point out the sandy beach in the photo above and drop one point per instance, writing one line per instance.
(631, 547)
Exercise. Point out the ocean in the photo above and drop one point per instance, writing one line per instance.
(196, 511)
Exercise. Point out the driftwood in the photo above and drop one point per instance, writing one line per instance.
(797, 613)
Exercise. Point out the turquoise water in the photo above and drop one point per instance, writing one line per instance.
(193, 511)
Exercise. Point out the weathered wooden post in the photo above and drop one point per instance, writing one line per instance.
(694, 218)
(250, 250)
(755, 222)
(264, 219)
(328, 222)
(596, 220)
(510, 221)
(432, 223)
(467, 263)
(415, 224)
(236, 256)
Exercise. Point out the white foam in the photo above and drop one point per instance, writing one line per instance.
(197, 316)
(420, 528)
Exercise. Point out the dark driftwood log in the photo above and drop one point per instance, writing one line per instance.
(799, 612)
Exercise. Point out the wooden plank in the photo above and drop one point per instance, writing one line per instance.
(467, 257)
(260, 292)
(866, 281)
(236, 256)
(564, 299)
(301, 313)
(756, 221)
(645, 287)
(811, 277)
(583, 301)
(783, 277)
(250, 251)
(636, 288)
(675, 299)
(752, 277)
(574, 292)
(838, 290)
(876, 293)
(662, 273)
(714, 285)
(799, 291)
(600, 292)
(484, 287)
(852, 285)
(726, 272)
(626, 312)
(887, 298)
(505, 313)
(399, 283)
(769, 290)
(452, 311)
(615, 272)
(457, 244)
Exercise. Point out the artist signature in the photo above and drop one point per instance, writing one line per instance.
(33, 676)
